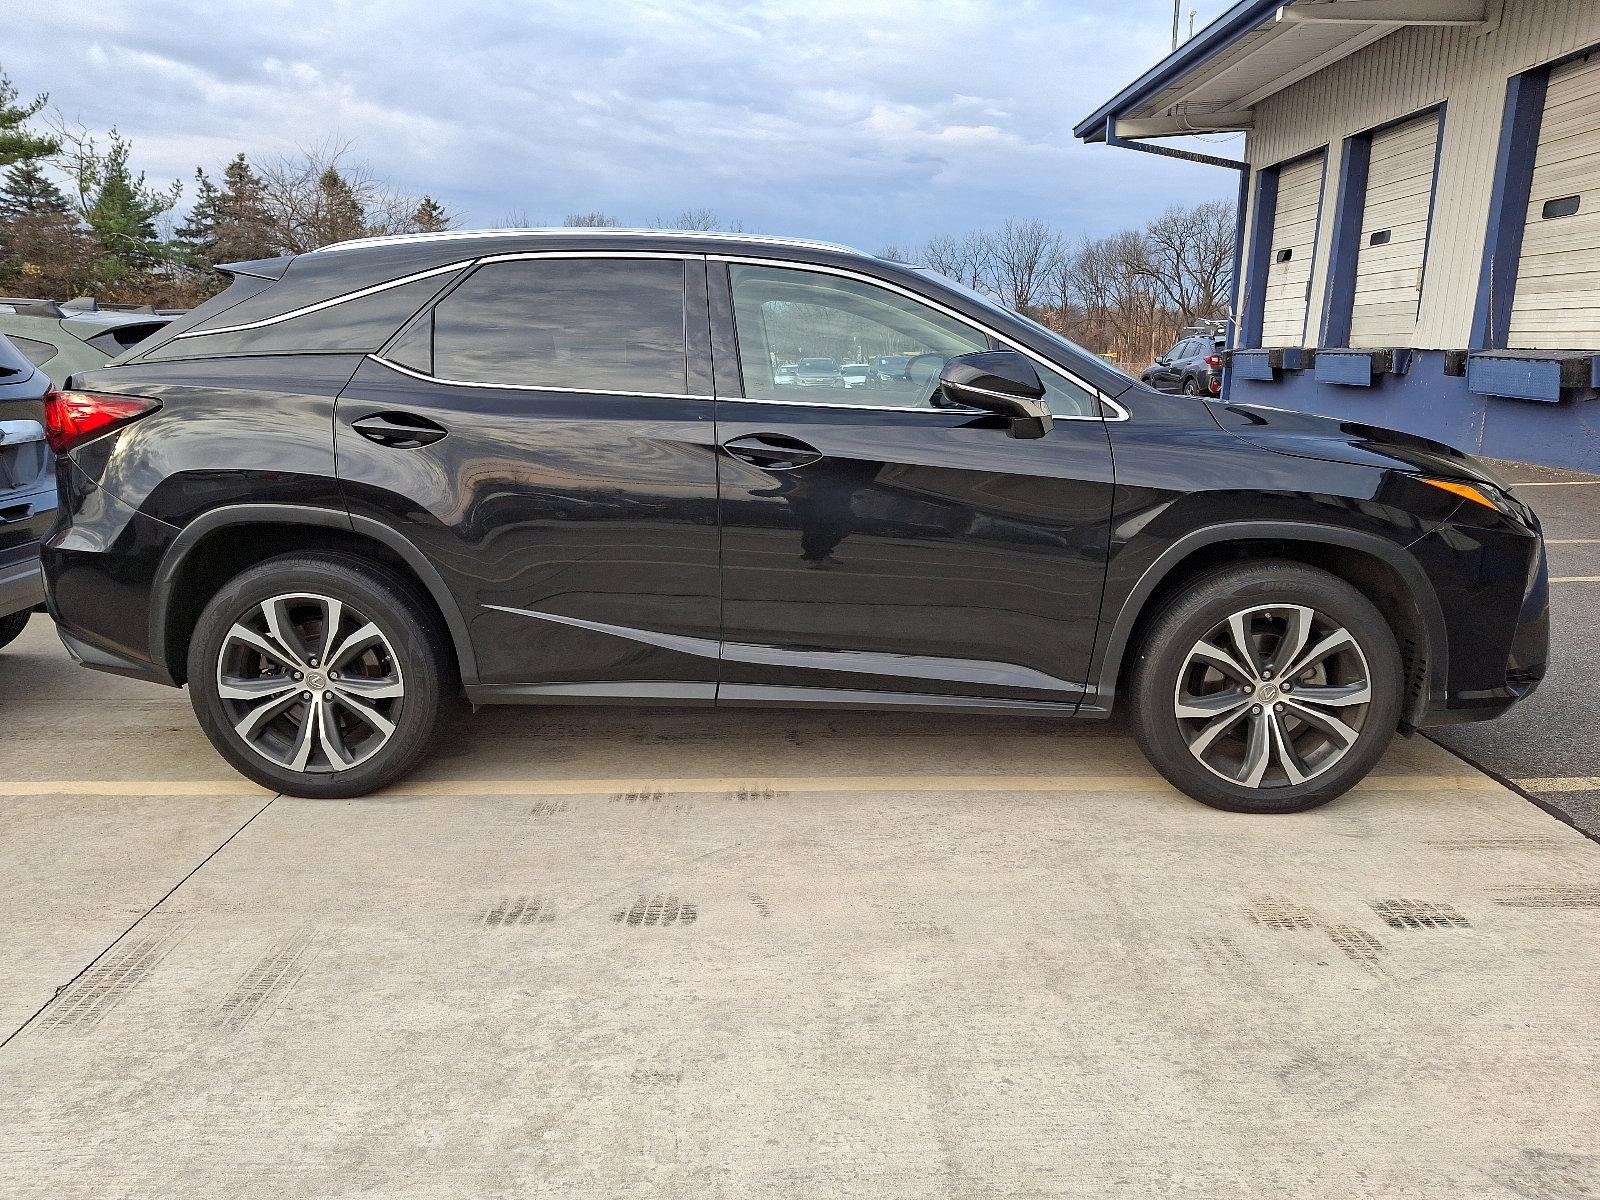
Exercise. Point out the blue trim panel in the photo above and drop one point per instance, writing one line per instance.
(1508, 208)
(1530, 375)
(1428, 402)
(1252, 364)
(1254, 306)
(1354, 369)
(1349, 207)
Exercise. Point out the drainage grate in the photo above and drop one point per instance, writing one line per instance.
(657, 910)
(1538, 896)
(1275, 912)
(1419, 914)
(1359, 946)
(521, 910)
(103, 986)
(266, 982)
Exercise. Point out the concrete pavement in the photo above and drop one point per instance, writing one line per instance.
(593, 952)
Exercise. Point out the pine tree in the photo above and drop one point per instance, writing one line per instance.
(119, 207)
(430, 216)
(28, 192)
(17, 145)
(342, 216)
(197, 236)
(245, 227)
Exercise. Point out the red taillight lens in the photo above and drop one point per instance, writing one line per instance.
(1216, 387)
(1213, 360)
(72, 418)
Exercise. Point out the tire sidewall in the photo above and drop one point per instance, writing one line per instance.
(377, 598)
(1185, 623)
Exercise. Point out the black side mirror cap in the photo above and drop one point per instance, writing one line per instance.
(999, 381)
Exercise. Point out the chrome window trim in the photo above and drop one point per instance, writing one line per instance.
(531, 387)
(983, 391)
(1120, 413)
(322, 304)
(452, 235)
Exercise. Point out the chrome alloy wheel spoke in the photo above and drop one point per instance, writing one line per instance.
(309, 683)
(1272, 696)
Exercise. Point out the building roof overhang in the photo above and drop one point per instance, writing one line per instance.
(1213, 82)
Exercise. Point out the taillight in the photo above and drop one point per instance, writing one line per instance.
(1216, 386)
(1213, 360)
(72, 418)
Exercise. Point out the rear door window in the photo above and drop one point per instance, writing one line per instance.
(38, 353)
(585, 325)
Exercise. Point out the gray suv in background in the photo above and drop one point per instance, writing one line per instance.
(1193, 367)
(27, 488)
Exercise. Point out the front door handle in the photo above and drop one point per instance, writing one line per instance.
(403, 431)
(772, 451)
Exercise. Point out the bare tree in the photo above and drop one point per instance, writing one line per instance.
(893, 253)
(700, 219)
(968, 259)
(1024, 254)
(1189, 258)
(318, 195)
(1105, 279)
(591, 220)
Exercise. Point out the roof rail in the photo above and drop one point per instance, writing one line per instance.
(26, 307)
(392, 239)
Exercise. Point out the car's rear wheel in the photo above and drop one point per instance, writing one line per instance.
(1191, 388)
(11, 627)
(1266, 687)
(319, 675)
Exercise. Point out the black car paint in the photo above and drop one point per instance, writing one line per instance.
(611, 547)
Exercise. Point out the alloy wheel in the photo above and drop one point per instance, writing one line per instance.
(310, 683)
(1273, 696)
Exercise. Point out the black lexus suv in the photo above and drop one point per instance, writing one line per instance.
(561, 467)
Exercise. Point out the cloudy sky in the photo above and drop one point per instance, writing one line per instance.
(865, 121)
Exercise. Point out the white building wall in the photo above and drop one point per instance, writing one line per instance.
(1465, 66)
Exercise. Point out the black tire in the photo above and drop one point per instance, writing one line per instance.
(11, 627)
(1190, 387)
(1163, 674)
(411, 644)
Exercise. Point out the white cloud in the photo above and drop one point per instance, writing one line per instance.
(866, 121)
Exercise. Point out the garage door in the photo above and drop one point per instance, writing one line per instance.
(1294, 240)
(1558, 278)
(1394, 234)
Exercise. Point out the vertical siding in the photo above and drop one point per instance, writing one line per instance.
(1409, 70)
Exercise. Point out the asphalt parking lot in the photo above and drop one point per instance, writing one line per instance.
(594, 952)
(1549, 745)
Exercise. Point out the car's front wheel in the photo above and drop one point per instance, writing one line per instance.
(1266, 687)
(319, 675)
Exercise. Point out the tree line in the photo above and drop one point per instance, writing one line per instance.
(76, 218)
(1127, 295)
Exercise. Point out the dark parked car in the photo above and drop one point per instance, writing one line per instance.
(27, 489)
(561, 467)
(1193, 367)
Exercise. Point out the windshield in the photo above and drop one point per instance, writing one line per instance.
(825, 365)
(989, 302)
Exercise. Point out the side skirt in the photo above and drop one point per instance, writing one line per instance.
(644, 692)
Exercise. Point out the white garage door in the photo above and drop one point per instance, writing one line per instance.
(1558, 279)
(1394, 234)
(1294, 238)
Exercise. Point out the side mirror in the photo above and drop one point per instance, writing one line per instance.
(1163, 361)
(999, 381)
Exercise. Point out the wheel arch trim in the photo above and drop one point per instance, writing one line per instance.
(231, 515)
(1108, 669)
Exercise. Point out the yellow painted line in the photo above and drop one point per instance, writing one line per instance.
(710, 783)
(1561, 783)
(1572, 541)
(1575, 579)
(1517, 487)
(131, 787)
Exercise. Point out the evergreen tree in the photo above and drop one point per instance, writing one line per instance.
(120, 208)
(17, 145)
(28, 192)
(197, 236)
(342, 216)
(244, 226)
(430, 216)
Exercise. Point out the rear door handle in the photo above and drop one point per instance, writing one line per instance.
(403, 431)
(773, 451)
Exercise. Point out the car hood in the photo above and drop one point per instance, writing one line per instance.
(1329, 439)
